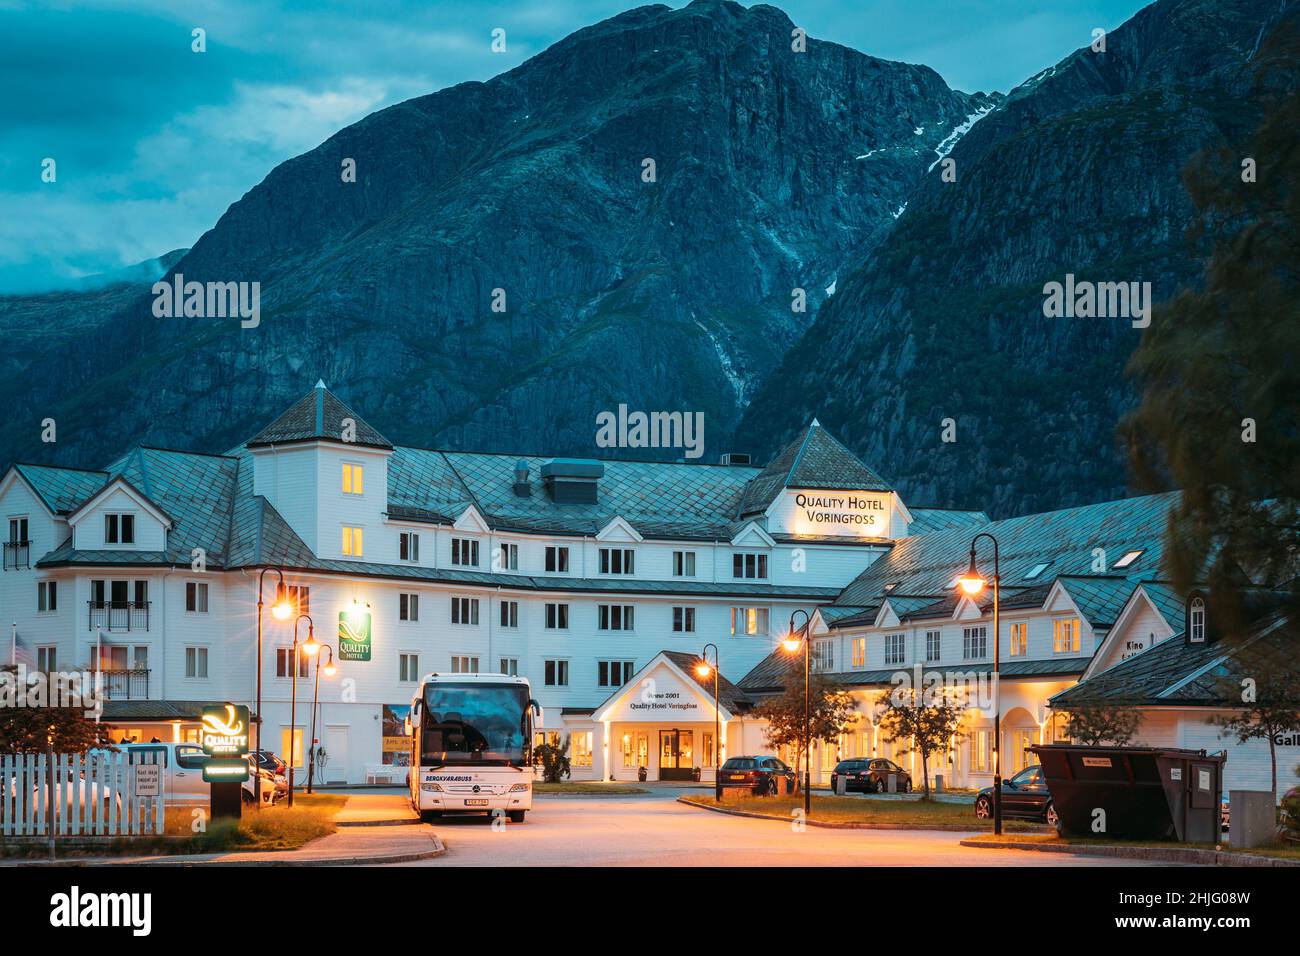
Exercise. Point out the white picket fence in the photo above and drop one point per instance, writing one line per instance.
(94, 795)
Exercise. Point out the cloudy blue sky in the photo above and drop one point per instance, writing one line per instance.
(153, 142)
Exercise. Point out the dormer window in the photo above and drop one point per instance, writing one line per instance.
(1129, 558)
(1196, 622)
(119, 528)
(464, 552)
(749, 565)
(889, 588)
(617, 560)
(354, 482)
(1036, 570)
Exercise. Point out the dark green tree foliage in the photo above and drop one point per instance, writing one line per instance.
(1219, 363)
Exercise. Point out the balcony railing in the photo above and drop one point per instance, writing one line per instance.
(132, 684)
(118, 615)
(18, 554)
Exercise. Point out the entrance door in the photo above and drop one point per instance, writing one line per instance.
(676, 754)
(336, 749)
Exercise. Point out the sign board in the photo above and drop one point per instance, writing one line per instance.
(354, 634)
(862, 514)
(148, 780)
(1096, 761)
(225, 770)
(225, 730)
(1175, 773)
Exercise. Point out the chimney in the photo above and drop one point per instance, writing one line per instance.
(521, 479)
(572, 481)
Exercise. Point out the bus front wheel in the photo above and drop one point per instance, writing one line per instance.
(517, 816)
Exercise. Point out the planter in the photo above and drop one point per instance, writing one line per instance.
(695, 774)
(641, 774)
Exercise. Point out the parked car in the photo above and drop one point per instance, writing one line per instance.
(870, 775)
(269, 761)
(762, 775)
(1024, 797)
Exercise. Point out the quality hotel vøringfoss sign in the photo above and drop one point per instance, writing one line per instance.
(354, 635)
(824, 512)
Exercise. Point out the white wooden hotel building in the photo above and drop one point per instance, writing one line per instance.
(599, 580)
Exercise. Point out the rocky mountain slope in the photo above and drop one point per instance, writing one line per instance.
(1077, 172)
(773, 170)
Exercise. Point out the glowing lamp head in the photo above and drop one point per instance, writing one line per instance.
(281, 609)
(971, 581)
(703, 669)
(330, 669)
(791, 643)
(311, 646)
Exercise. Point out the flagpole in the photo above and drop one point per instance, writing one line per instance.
(13, 646)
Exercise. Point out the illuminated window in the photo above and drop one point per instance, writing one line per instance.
(291, 753)
(353, 480)
(1019, 639)
(859, 652)
(352, 541)
(580, 748)
(980, 751)
(1128, 559)
(1065, 636)
(749, 620)
(1197, 621)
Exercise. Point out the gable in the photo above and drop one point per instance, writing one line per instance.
(1140, 627)
(618, 529)
(659, 692)
(471, 520)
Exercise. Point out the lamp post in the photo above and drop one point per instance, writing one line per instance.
(315, 702)
(280, 610)
(973, 583)
(309, 648)
(791, 644)
(703, 669)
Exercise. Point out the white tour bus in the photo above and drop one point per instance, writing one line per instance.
(471, 740)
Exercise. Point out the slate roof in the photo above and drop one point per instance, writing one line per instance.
(929, 520)
(1175, 672)
(767, 676)
(927, 564)
(1168, 602)
(815, 459)
(1099, 599)
(62, 489)
(318, 415)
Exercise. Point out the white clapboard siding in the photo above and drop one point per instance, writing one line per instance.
(94, 795)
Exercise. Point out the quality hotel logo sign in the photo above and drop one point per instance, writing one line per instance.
(225, 730)
(849, 513)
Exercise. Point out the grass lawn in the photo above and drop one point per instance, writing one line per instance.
(1280, 850)
(829, 809)
(585, 786)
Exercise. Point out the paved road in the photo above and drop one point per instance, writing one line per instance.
(656, 831)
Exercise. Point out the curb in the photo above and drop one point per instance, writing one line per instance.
(939, 827)
(438, 849)
(1154, 854)
(408, 822)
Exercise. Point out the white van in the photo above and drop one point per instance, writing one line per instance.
(182, 763)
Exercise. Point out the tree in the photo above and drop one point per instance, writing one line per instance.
(1096, 724)
(34, 730)
(925, 724)
(832, 710)
(553, 758)
(1270, 698)
(1221, 387)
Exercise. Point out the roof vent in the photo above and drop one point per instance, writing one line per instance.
(572, 481)
(735, 458)
(521, 479)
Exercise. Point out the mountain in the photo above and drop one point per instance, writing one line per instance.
(774, 170)
(1077, 172)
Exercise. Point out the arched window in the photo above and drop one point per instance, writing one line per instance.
(1196, 622)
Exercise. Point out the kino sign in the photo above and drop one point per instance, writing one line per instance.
(225, 730)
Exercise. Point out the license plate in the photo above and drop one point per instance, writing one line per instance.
(736, 776)
(476, 803)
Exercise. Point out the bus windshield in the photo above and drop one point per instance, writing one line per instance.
(473, 723)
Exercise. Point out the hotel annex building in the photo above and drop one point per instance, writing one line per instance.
(599, 580)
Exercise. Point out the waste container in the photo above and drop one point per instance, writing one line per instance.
(1147, 793)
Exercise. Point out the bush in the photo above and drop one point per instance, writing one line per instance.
(553, 759)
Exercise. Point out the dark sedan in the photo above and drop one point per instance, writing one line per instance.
(762, 775)
(1024, 797)
(870, 775)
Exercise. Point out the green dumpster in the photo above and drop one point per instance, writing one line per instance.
(1135, 793)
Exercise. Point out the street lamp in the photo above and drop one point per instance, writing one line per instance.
(309, 647)
(330, 670)
(280, 610)
(703, 669)
(791, 643)
(973, 583)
